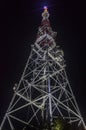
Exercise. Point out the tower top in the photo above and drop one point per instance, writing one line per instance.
(45, 8)
(45, 14)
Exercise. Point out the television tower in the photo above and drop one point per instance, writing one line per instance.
(43, 92)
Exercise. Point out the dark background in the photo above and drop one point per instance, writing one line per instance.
(19, 21)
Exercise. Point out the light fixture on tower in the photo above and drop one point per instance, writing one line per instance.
(45, 8)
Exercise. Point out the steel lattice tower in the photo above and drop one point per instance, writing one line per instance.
(43, 92)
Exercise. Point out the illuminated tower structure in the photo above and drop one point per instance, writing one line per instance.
(43, 92)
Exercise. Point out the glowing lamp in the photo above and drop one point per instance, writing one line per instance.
(45, 8)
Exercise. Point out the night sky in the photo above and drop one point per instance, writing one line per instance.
(19, 22)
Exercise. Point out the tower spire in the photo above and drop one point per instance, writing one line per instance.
(45, 8)
(45, 14)
(45, 28)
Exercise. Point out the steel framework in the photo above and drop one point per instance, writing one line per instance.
(43, 92)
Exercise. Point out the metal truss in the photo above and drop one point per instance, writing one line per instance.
(43, 92)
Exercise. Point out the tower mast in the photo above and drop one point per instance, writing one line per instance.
(43, 92)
